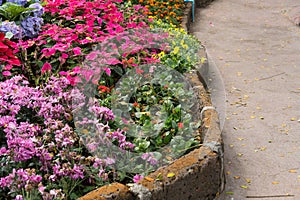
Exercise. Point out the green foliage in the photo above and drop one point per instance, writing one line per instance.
(183, 54)
(11, 11)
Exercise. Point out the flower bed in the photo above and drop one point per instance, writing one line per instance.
(67, 125)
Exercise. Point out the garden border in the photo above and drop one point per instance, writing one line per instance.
(197, 175)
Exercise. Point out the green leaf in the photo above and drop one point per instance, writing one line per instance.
(12, 11)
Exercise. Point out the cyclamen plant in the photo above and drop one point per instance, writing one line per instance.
(41, 156)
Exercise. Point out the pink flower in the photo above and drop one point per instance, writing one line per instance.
(8, 67)
(76, 70)
(19, 197)
(46, 67)
(64, 55)
(48, 52)
(6, 73)
(77, 51)
(137, 178)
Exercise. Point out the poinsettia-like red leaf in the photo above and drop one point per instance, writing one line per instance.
(2, 35)
(3, 46)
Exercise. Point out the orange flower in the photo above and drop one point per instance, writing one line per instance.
(136, 104)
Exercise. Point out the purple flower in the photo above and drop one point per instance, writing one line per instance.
(31, 26)
(19, 197)
(149, 157)
(102, 112)
(12, 27)
(77, 172)
(38, 11)
(109, 161)
(19, 2)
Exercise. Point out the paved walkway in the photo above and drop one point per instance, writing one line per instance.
(257, 50)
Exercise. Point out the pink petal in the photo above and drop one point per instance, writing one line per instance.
(46, 67)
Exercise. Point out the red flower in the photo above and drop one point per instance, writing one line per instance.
(7, 47)
(103, 89)
(180, 125)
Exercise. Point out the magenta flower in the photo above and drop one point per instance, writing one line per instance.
(6, 73)
(137, 178)
(77, 51)
(46, 68)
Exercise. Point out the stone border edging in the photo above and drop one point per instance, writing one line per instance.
(199, 174)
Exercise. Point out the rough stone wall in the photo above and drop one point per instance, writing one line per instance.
(202, 3)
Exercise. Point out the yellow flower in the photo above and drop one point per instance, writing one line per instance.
(188, 58)
(154, 56)
(161, 54)
(183, 45)
(176, 50)
(203, 60)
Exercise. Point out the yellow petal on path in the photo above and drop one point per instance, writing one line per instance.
(263, 148)
(292, 171)
(248, 180)
(275, 183)
(252, 116)
(149, 179)
(293, 119)
(244, 186)
(170, 175)
(236, 177)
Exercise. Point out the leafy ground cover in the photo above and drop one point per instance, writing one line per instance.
(66, 68)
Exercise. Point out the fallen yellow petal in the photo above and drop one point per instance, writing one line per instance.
(292, 171)
(170, 175)
(248, 180)
(149, 179)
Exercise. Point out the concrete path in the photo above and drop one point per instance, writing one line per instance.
(257, 50)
